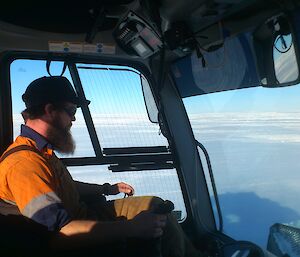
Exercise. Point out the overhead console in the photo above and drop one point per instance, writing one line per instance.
(136, 37)
(219, 30)
(185, 25)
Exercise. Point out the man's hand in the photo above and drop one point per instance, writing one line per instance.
(148, 224)
(120, 187)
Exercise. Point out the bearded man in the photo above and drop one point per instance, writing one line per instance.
(37, 182)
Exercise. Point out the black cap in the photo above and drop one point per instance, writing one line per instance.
(54, 89)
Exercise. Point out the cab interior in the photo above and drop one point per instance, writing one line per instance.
(136, 60)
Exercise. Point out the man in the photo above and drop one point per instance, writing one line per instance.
(37, 182)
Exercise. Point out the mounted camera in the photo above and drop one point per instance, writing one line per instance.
(136, 37)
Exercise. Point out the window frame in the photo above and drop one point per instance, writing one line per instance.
(155, 158)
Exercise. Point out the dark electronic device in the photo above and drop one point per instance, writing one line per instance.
(136, 37)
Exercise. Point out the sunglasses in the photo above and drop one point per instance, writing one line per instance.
(71, 110)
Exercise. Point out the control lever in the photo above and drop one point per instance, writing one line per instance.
(151, 247)
(163, 208)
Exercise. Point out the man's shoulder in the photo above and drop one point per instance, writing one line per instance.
(21, 140)
(23, 158)
(27, 146)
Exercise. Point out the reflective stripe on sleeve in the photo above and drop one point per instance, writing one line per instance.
(40, 202)
(47, 209)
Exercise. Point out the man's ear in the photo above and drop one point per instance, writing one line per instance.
(49, 112)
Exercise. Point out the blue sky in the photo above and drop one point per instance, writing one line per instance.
(257, 99)
(102, 86)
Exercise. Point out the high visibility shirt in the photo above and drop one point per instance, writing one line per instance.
(40, 186)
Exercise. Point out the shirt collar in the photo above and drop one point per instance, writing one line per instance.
(40, 141)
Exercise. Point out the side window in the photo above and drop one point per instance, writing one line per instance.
(25, 71)
(120, 119)
(253, 138)
(118, 107)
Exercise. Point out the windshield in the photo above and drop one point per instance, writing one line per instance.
(253, 138)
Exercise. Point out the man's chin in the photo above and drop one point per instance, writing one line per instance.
(67, 145)
(62, 141)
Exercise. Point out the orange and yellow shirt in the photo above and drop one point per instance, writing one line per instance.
(40, 186)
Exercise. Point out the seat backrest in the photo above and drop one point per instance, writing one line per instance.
(7, 208)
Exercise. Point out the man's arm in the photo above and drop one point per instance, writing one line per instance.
(83, 233)
(90, 189)
(105, 189)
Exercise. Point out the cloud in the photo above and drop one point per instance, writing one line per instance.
(247, 127)
(125, 131)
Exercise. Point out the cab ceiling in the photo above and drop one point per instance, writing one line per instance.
(204, 13)
(76, 17)
(63, 16)
(66, 20)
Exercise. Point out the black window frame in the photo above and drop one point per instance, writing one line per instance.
(120, 159)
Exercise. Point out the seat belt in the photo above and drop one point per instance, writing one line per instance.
(20, 148)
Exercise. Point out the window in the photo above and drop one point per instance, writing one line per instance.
(117, 107)
(120, 118)
(253, 138)
(25, 71)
